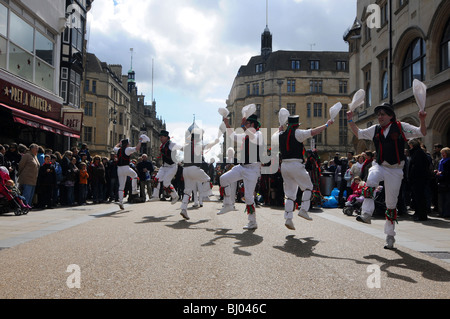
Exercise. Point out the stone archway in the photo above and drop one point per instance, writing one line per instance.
(440, 125)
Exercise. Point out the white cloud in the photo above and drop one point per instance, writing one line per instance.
(198, 45)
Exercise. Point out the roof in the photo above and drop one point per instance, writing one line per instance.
(281, 60)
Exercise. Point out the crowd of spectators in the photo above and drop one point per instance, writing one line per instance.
(48, 179)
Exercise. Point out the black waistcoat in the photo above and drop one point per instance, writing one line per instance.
(295, 147)
(122, 158)
(390, 148)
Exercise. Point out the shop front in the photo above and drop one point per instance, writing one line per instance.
(29, 114)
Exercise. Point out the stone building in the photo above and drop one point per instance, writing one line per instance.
(391, 43)
(113, 110)
(32, 109)
(307, 83)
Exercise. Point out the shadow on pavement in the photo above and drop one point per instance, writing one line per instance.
(304, 248)
(428, 269)
(245, 239)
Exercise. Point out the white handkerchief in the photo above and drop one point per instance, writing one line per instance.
(283, 116)
(334, 110)
(248, 110)
(358, 99)
(420, 93)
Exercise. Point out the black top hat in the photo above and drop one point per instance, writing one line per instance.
(254, 119)
(293, 119)
(387, 108)
(125, 142)
(164, 133)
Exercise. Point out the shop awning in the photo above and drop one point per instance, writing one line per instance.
(39, 122)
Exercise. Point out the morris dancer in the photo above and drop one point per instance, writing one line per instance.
(124, 170)
(389, 137)
(192, 172)
(168, 169)
(293, 167)
(249, 170)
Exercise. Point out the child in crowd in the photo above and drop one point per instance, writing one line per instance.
(83, 183)
(357, 187)
(14, 191)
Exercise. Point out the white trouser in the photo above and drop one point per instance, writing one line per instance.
(233, 188)
(295, 176)
(123, 172)
(392, 178)
(249, 173)
(165, 175)
(193, 175)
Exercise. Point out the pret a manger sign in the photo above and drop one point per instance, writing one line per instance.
(29, 101)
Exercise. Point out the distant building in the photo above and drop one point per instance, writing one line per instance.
(407, 40)
(307, 83)
(73, 56)
(113, 110)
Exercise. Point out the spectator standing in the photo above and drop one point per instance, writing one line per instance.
(40, 155)
(418, 177)
(65, 163)
(83, 183)
(12, 155)
(443, 177)
(436, 155)
(85, 150)
(46, 183)
(28, 173)
(368, 159)
(59, 178)
(344, 163)
(145, 170)
(107, 186)
(113, 191)
(356, 167)
(97, 178)
(71, 181)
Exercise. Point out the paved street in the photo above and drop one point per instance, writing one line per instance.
(149, 251)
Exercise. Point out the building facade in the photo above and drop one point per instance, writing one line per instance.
(30, 59)
(113, 110)
(391, 43)
(73, 59)
(307, 83)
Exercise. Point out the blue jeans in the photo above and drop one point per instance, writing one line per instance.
(83, 193)
(28, 193)
(70, 195)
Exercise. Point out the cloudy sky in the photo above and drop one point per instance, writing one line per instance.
(197, 46)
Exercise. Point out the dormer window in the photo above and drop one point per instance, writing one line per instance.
(314, 64)
(259, 68)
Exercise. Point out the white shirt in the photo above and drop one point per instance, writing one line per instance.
(410, 131)
(128, 150)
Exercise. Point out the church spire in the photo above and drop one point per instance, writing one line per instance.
(266, 36)
(131, 76)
